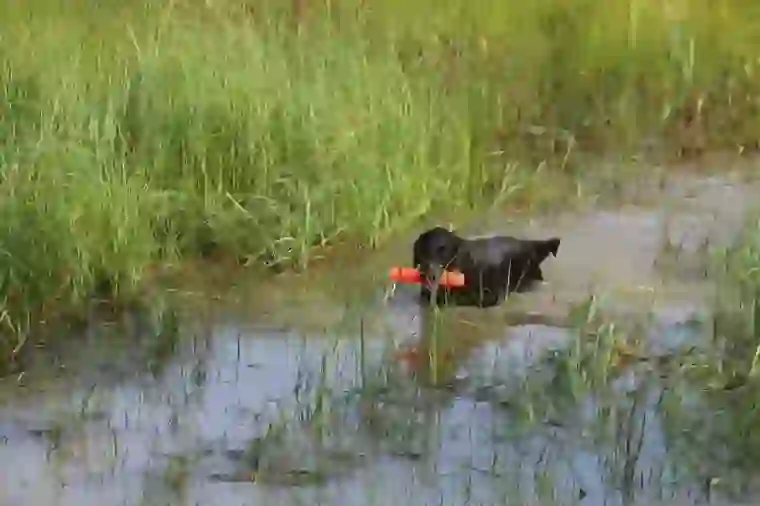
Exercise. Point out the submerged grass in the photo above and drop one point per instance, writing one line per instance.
(136, 134)
(736, 318)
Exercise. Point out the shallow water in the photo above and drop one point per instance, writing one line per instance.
(295, 393)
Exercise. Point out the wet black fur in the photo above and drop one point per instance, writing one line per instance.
(493, 266)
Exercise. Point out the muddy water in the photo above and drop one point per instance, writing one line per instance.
(322, 391)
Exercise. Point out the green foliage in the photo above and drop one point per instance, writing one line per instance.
(133, 133)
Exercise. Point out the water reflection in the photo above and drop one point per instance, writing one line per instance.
(545, 414)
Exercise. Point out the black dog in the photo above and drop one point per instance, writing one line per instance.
(493, 267)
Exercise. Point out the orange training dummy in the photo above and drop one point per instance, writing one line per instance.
(412, 275)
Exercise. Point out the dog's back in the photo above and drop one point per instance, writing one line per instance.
(496, 249)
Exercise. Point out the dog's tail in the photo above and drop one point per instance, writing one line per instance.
(547, 247)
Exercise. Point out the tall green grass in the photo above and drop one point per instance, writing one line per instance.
(139, 133)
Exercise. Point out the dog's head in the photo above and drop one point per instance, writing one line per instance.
(434, 251)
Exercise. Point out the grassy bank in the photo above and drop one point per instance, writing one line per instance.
(135, 135)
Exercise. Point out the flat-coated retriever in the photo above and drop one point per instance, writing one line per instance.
(493, 267)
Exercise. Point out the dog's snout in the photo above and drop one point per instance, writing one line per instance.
(431, 273)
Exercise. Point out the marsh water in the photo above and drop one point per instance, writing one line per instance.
(336, 388)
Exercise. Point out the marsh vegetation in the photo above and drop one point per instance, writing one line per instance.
(162, 161)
